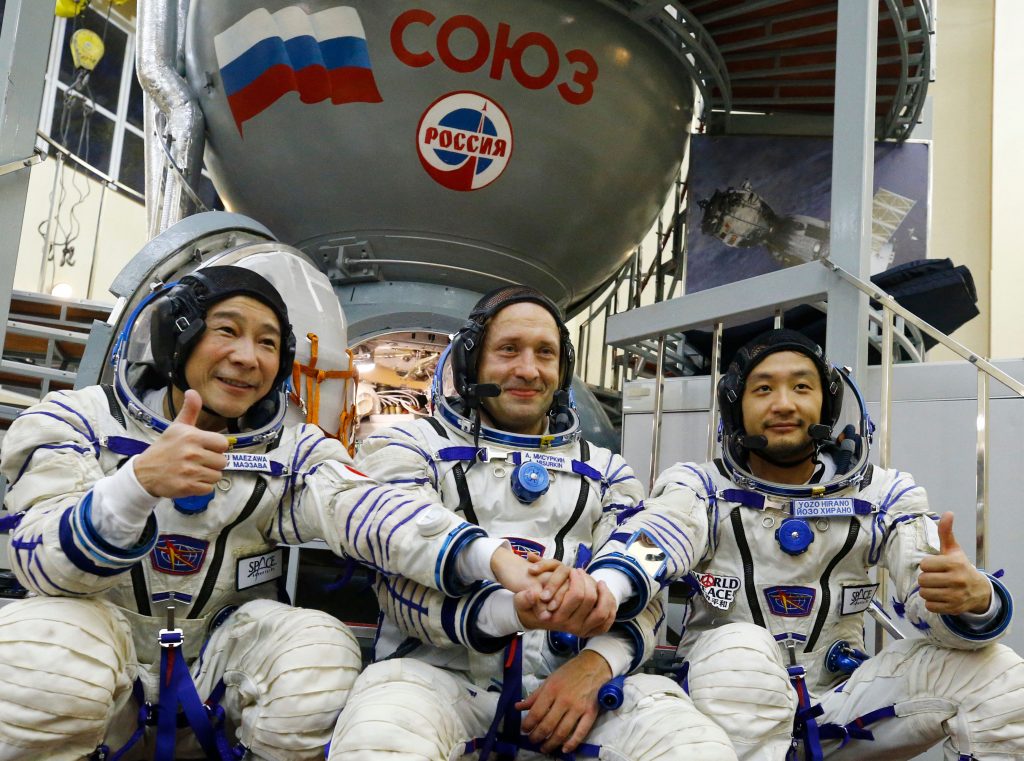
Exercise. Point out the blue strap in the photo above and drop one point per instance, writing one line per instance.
(857, 729)
(745, 498)
(123, 445)
(758, 501)
(10, 522)
(587, 471)
(461, 454)
(145, 719)
(806, 726)
(511, 693)
(177, 688)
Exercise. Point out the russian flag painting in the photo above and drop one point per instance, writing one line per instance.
(319, 55)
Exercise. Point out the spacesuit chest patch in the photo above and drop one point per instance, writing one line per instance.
(857, 599)
(178, 555)
(259, 569)
(523, 547)
(790, 602)
(718, 591)
(823, 508)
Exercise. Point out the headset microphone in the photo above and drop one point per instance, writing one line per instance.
(818, 432)
(753, 442)
(483, 390)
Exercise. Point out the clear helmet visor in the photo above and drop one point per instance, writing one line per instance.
(843, 452)
(139, 386)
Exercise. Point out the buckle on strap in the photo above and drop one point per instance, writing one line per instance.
(171, 636)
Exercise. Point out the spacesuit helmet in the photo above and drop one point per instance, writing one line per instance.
(457, 393)
(850, 447)
(158, 338)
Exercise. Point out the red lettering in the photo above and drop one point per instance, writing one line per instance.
(524, 43)
(499, 147)
(502, 52)
(584, 78)
(483, 44)
(460, 142)
(576, 90)
(431, 135)
(485, 145)
(407, 19)
(473, 143)
(446, 139)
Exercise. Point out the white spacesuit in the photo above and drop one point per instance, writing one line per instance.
(780, 584)
(440, 674)
(79, 660)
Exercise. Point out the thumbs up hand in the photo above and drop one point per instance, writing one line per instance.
(949, 582)
(185, 461)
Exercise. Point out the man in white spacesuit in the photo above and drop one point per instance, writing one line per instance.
(776, 539)
(505, 453)
(173, 488)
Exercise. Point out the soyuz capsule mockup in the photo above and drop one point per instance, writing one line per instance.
(422, 153)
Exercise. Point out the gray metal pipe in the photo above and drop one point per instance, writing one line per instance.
(157, 52)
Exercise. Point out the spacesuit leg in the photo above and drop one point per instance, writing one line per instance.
(737, 678)
(407, 710)
(658, 722)
(66, 669)
(288, 672)
(972, 699)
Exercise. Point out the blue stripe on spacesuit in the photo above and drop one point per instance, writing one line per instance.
(363, 530)
(445, 578)
(353, 511)
(78, 558)
(28, 547)
(25, 563)
(448, 609)
(90, 434)
(39, 565)
(413, 448)
(417, 481)
(28, 460)
(887, 503)
(386, 544)
(677, 534)
(92, 439)
(706, 482)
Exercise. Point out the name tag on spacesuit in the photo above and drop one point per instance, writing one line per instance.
(823, 508)
(548, 461)
(257, 463)
(259, 569)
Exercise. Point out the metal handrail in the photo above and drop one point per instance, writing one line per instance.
(986, 370)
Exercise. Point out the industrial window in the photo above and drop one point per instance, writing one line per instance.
(100, 119)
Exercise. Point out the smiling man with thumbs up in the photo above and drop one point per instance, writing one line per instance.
(775, 542)
(173, 488)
